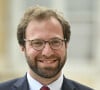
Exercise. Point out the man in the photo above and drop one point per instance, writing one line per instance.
(43, 35)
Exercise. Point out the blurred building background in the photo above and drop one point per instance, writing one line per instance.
(83, 64)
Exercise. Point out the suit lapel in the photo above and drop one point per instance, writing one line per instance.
(67, 85)
(21, 84)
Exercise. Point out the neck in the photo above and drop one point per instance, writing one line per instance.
(42, 80)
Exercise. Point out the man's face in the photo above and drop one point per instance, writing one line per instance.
(47, 62)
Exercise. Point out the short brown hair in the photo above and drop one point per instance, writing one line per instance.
(41, 13)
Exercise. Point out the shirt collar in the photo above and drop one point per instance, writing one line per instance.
(35, 85)
(56, 85)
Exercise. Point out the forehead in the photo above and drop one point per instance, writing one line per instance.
(44, 28)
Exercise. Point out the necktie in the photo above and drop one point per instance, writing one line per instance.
(44, 88)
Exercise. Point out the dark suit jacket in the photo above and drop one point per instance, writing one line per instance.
(22, 84)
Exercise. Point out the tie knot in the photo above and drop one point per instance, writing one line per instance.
(44, 88)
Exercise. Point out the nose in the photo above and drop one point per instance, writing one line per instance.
(47, 50)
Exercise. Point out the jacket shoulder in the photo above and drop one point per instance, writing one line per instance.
(15, 84)
(73, 85)
(7, 84)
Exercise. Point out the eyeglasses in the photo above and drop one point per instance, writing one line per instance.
(39, 44)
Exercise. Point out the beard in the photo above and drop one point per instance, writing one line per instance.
(46, 71)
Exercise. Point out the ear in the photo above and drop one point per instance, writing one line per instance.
(22, 48)
(66, 44)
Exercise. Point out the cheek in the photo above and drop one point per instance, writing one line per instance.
(62, 52)
(30, 51)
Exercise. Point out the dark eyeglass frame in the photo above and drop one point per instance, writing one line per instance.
(43, 43)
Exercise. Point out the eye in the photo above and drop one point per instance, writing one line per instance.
(56, 42)
(37, 43)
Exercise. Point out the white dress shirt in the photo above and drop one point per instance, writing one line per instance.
(35, 85)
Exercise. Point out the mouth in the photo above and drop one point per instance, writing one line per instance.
(48, 61)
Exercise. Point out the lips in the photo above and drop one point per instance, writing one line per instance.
(47, 61)
(52, 60)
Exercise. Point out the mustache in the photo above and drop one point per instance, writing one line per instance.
(46, 57)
